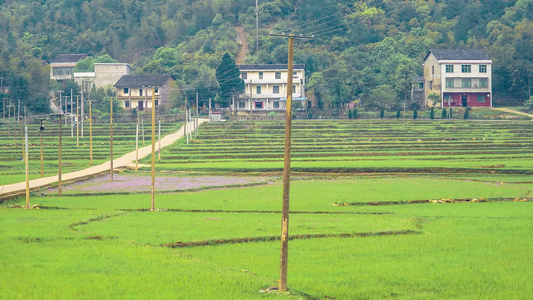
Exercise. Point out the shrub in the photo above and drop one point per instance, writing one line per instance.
(350, 116)
(466, 115)
(398, 113)
(415, 114)
(381, 113)
(354, 114)
(432, 113)
(451, 113)
(444, 113)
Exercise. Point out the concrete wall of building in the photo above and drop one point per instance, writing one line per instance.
(107, 74)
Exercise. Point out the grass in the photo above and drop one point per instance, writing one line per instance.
(110, 246)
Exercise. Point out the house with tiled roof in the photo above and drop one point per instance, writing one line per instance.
(135, 91)
(461, 77)
(62, 67)
(266, 87)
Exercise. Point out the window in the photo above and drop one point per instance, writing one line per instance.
(244, 75)
(140, 92)
(432, 69)
(156, 91)
(276, 104)
(127, 104)
(430, 85)
(294, 89)
(483, 82)
(278, 75)
(421, 85)
(258, 89)
(260, 75)
(449, 82)
(241, 104)
(259, 104)
(480, 98)
(449, 68)
(482, 68)
(275, 89)
(466, 68)
(156, 103)
(126, 90)
(467, 82)
(447, 98)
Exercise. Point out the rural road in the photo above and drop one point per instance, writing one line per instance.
(17, 189)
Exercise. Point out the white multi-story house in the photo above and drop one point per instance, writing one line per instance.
(460, 77)
(266, 87)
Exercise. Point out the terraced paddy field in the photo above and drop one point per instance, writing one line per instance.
(360, 146)
(378, 210)
(75, 155)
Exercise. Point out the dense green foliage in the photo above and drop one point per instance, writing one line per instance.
(365, 50)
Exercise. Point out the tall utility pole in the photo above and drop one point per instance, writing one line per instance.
(287, 168)
(77, 121)
(111, 137)
(82, 113)
(71, 114)
(41, 129)
(196, 122)
(59, 160)
(26, 167)
(153, 149)
(90, 134)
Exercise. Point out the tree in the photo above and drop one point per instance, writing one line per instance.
(350, 116)
(466, 114)
(451, 114)
(444, 113)
(432, 113)
(354, 114)
(435, 98)
(415, 114)
(398, 113)
(228, 78)
(381, 113)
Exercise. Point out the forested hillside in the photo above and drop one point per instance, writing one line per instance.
(363, 49)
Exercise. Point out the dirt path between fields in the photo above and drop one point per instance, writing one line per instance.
(515, 112)
(18, 189)
(243, 39)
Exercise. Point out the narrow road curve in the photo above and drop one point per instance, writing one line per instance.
(16, 189)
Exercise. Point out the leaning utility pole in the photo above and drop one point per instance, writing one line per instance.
(287, 168)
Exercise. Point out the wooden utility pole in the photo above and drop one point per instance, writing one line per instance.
(153, 149)
(286, 169)
(59, 160)
(196, 121)
(111, 137)
(90, 134)
(41, 129)
(77, 121)
(27, 168)
(71, 114)
(137, 147)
